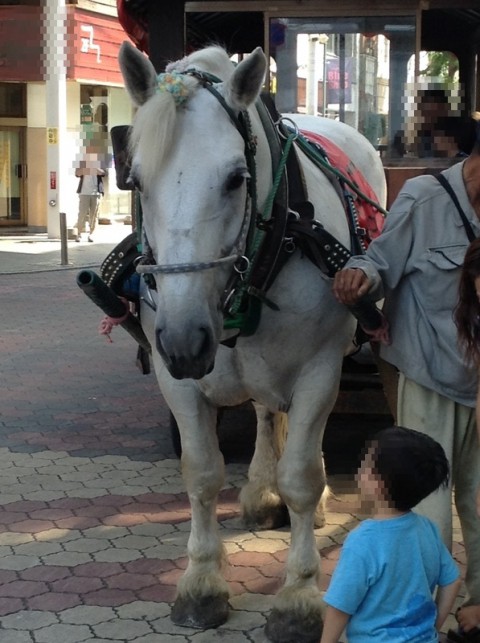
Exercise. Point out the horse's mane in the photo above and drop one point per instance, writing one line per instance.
(152, 131)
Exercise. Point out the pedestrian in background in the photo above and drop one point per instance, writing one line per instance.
(90, 190)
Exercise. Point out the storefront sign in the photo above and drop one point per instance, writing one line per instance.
(86, 114)
(88, 44)
(95, 40)
(334, 81)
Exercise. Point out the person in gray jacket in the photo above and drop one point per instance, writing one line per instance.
(415, 264)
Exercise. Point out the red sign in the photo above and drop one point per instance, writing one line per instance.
(53, 180)
(94, 42)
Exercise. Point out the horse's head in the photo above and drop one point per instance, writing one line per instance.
(189, 162)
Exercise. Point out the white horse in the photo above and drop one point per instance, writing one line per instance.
(189, 162)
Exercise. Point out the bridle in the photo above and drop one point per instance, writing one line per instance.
(236, 254)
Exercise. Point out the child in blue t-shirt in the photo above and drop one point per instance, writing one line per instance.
(390, 565)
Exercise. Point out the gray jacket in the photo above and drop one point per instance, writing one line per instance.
(415, 264)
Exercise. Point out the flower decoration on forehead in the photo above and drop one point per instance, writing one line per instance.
(173, 82)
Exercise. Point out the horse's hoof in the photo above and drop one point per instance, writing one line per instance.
(272, 517)
(287, 627)
(203, 614)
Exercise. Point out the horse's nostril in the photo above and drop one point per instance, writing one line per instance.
(186, 354)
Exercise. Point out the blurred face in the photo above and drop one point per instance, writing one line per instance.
(431, 109)
(369, 483)
(444, 145)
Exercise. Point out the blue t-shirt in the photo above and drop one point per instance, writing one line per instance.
(387, 572)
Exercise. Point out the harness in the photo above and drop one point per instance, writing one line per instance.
(267, 239)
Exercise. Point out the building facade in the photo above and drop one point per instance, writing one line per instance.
(60, 94)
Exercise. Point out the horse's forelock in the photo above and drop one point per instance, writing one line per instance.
(152, 132)
(153, 127)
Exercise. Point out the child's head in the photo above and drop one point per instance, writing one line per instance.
(405, 465)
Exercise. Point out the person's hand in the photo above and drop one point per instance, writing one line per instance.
(468, 617)
(350, 285)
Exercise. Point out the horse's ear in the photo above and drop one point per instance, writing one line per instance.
(243, 88)
(138, 73)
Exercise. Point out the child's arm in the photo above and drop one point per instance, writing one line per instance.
(335, 622)
(445, 598)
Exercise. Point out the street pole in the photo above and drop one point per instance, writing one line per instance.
(55, 46)
(63, 240)
(323, 39)
(311, 84)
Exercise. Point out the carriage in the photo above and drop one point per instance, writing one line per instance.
(224, 324)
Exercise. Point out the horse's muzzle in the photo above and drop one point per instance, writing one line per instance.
(191, 358)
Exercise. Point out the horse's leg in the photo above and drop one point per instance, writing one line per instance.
(296, 616)
(202, 597)
(261, 505)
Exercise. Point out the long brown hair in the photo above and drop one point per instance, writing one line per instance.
(467, 311)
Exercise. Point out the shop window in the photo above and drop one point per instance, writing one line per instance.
(13, 102)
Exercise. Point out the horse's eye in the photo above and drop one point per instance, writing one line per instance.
(235, 181)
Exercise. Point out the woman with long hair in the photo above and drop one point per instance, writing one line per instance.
(467, 312)
(467, 320)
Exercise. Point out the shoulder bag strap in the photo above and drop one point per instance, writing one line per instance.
(445, 184)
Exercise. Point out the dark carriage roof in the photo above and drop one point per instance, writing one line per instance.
(446, 25)
(442, 29)
(451, 29)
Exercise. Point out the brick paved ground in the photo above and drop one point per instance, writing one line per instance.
(93, 518)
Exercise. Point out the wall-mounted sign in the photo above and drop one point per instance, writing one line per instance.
(94, 43)
(52, 135)
(86, 114)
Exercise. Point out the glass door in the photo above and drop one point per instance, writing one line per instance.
(13, 172)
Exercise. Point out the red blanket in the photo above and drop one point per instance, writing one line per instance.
(369, 217)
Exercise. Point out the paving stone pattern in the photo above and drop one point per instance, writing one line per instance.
(94, 519)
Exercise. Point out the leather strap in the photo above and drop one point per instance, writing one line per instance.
(466, 223)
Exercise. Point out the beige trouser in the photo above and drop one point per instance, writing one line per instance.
(88, 206)
(453, 426)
